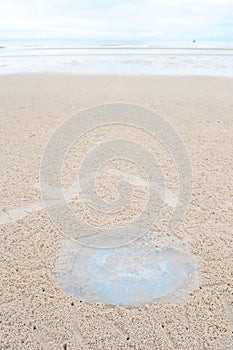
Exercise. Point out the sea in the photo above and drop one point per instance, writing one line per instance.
(71, 56)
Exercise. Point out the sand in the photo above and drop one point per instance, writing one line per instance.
(35, 313)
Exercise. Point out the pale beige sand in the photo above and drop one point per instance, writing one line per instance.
(35, 313)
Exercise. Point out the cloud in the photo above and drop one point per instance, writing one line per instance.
(138, 20)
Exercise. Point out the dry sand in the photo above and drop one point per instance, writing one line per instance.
(35, 313)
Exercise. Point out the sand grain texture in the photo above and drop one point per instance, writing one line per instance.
(35, 313)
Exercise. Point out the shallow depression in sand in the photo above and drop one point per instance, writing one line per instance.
(136, 274)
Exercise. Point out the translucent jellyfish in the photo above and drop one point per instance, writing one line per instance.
(135, 274)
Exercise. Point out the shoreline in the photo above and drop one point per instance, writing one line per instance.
(116, 76)
(107, 61)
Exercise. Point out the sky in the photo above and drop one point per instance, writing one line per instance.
(125, 21)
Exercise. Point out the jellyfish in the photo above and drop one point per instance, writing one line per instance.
(137, 273)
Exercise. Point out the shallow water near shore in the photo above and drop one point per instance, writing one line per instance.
(163, 58)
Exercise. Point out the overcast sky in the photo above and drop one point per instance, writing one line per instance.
(145, 21)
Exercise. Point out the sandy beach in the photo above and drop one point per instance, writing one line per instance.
(35, 312)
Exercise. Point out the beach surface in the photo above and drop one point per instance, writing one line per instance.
(35, 312)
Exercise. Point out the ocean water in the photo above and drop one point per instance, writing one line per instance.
(163, 58)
